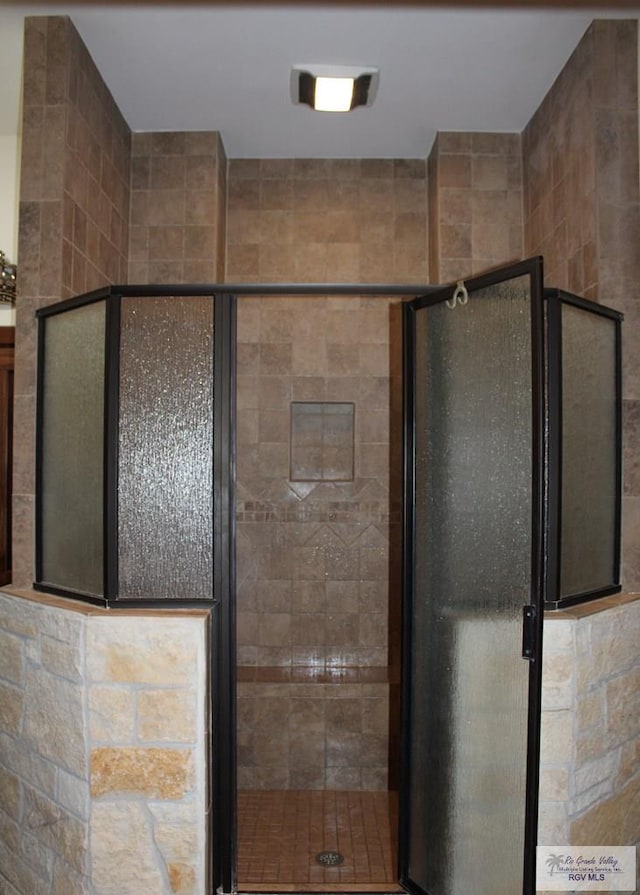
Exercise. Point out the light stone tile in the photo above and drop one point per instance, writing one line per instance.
(590, 747)
(67, 882)
(590, 797)
(28, 765)
(54, 720)
(9, 832)
(20, 875)
(556, 737)
(123, 855)
(554, 784)
(38, 856)
(153, 772)
(182, 877)
(583, 637)
(622, 698)
(111, 714)
(177, 842)
(616, 639)
(587, 680)
(19, 616)
(615, 820)
(153, 651)
(6, 888)
(12, 650)
(553, 825)
(9, 793)
(62, 659)
(558, 634)
(32, 652)
(629, 762)
(557, 680)
(167, 716)
(73, 794)
(11, 708)
(63, 625)
(595, 772)
(590, 710)
(55, 828)
(175, 813)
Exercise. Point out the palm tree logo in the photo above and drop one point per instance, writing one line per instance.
(554, 862)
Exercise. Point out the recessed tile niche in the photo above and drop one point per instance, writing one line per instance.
(322, 441)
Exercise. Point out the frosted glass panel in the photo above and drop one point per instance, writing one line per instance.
(472, 577)
(72, 467)
(165, 521)
(589, 452)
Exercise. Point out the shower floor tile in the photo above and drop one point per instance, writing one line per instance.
(281, 832)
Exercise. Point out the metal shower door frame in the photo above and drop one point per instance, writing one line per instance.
(533, 614)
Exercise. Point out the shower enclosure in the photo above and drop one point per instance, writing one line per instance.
(511, 493)
(512, 500)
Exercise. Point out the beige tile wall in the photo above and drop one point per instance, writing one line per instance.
(317, 731)
(318, 563)
(327, 220)
(475, 203)
(582, 211)
(560, 178)
(178, 201)
(73, 235)
(313, 557)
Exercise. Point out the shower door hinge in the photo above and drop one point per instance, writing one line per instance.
(529, 633)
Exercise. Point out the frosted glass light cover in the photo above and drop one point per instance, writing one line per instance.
(72, 459)
(469, 702)
(165, 443)
(589, 452)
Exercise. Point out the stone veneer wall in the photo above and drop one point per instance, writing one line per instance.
(103, 782)
(475, 203)
(178, 206)
(582, 211)
(74, 209)
(590, 761)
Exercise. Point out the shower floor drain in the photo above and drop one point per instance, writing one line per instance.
(329, 858)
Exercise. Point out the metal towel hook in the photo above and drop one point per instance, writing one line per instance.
(460, 296)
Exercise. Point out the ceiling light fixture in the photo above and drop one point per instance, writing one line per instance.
(333, 88)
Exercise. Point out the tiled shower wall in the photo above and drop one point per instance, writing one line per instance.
(475, 203)
(313, 556)
(178, 201)
(318, 561)
(582, 211)
(327, 221)
(581, 168)
(74, 207)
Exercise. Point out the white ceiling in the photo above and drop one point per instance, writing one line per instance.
(227, 68)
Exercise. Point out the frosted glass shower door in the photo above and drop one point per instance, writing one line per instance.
(473, 566)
